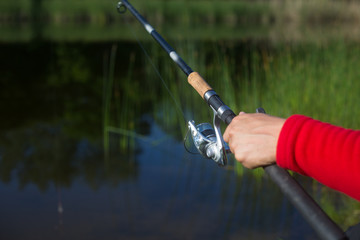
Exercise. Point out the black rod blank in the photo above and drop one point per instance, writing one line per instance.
(158, 38)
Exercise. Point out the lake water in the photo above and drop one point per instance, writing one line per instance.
(91, 150)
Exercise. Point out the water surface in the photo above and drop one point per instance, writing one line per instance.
(91, 151)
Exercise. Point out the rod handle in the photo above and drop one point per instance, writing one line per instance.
(198, 83)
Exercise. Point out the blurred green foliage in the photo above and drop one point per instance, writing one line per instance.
(56, 20)
(318, 80)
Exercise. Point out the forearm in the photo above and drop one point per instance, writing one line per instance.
(328, 153)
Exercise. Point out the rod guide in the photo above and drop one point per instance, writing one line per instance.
(121, 8)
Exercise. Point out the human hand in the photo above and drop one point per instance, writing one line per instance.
(253, 138)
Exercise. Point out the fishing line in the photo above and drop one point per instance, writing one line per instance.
(177, 105)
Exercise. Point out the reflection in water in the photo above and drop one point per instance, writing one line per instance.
(170, 195)
(60, 210)
(56, 183)
(44, 156)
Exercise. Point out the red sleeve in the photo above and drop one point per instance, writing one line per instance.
(327, 153)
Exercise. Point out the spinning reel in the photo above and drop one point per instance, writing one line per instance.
(208, 140)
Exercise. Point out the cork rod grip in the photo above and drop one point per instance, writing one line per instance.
(198, 83)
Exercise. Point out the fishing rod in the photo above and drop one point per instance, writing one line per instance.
(210, 143)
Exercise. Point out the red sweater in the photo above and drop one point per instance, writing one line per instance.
(327, 153)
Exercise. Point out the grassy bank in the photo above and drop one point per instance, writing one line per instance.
(23, 20)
